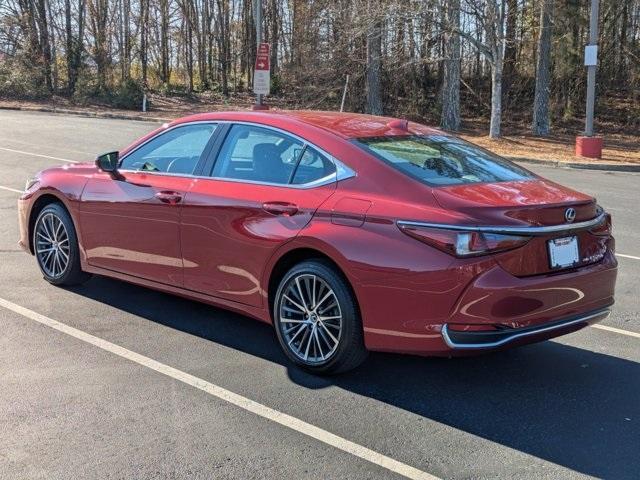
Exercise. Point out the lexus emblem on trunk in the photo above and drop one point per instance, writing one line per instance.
(570, 215)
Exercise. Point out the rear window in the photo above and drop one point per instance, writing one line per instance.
(442, 160)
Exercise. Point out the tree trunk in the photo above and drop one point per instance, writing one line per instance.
(188, 36)
(510, 50)
(45, 45)
(164, 42)
(126, 34)
(69, 43)
(495, 16)
(543, 71)
(144, 32)
(496, 98)
(374, 68)
(54, 51)
(224, 50)
(98, 16)
(274, 36)
(450, 118)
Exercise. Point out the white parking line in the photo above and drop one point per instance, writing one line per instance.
(238, 400)
(9, 189)
(65, 148)
(38, 155)
(617, 330)
(627, 256)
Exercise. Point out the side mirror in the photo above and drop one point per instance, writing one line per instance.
(108, 162)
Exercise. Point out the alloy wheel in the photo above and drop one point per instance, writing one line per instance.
(52, 245)
(310, 318)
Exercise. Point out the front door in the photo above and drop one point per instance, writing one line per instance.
(264, 188)
(131, 223)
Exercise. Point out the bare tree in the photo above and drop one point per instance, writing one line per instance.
(164, 42)
(42, 21)
(224, 49)
(374, 66)
(510, 48)
(98, 17)
(543, 71)
(144, 40)
(491, 15)
(74, 43)
(450, 93)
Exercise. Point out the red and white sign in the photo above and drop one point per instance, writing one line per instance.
(262, 71)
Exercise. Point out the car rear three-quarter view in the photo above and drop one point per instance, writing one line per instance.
(349, 233)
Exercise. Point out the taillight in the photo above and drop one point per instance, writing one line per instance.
(464, 244)
(604, 228)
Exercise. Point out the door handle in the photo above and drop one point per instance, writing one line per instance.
(280, 208)
(172, 198)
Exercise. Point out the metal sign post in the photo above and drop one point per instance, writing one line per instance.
(588, 145)
(262, 69)
(591, 61)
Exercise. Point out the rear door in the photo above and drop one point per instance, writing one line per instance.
(264, 186)
(130, 224)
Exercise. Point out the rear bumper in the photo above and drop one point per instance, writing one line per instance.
(497, 310)
(479, 340)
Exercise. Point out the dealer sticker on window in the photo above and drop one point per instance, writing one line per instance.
(563, 252)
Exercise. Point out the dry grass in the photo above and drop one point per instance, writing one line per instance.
(559, 147)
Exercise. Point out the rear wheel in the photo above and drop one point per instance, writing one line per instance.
(317, 319)
(56, 247)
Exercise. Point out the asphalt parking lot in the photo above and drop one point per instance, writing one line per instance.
(111, 380)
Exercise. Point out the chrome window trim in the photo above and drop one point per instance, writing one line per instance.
(600, 315)
(530, 231)
(342, 172)
(316, 183)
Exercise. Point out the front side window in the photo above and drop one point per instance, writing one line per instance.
(258, 154)
(176, 151)
(442, 160)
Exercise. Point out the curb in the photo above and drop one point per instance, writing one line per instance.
(612, 167)
(89, 114)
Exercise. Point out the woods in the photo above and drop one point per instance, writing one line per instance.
(440, 61)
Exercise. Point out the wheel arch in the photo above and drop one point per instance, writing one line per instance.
(294, 255)
(38, 205)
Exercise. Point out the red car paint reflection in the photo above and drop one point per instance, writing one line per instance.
(221, 241)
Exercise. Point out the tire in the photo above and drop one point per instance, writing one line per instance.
(325, 338)
(55, 246)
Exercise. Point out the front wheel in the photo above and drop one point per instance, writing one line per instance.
(56, 247)
(317, 319)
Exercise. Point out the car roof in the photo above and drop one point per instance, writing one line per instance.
(343, 124)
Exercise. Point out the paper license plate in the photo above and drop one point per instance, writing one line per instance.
(563, 252)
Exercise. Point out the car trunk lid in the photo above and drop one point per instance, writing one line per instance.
(529, 203)
(522, 203)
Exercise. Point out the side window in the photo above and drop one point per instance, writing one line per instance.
(257, 154)
(313, 166)
(175, 151)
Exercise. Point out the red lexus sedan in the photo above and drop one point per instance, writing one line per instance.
(347, 232)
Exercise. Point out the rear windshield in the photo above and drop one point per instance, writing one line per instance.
(442, 160)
